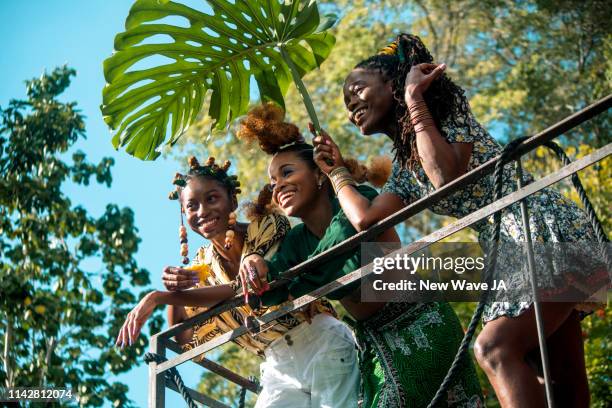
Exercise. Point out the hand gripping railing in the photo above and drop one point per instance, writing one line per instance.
(162, 341)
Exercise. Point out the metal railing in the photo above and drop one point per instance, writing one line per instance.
(162, 341)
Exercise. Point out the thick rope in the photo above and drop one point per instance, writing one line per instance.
(488, 274)
(173, 375)
(588, 207)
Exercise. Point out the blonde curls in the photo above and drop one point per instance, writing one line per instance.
(379, 170)
(358, 171)
(265, 124)
(376, 173)
(261, 207)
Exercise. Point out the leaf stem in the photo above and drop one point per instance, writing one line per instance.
(302, 89)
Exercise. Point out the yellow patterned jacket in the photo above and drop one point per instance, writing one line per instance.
(263, 236)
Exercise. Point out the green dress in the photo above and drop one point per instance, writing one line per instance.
(406, 349)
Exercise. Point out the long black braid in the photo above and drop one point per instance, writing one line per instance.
(444, 98)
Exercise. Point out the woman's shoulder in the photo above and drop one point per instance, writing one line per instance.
(270, 221)
(263, 233)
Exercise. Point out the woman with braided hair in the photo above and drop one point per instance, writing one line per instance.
(397, 368)
(207, 196)
(401, 93)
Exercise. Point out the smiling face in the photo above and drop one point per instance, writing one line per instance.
(295, 183)
(207, 204)
(368, 97)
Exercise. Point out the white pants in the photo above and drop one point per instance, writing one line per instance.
(314, 365)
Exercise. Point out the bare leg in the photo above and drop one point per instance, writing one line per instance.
(501, 349)
(566, 350)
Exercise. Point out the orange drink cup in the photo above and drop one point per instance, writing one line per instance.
(203, 271)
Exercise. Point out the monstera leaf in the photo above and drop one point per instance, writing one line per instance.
(213, 54)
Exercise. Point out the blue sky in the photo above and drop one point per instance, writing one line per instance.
(42, 34)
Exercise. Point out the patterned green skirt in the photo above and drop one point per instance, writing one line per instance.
(406, 350)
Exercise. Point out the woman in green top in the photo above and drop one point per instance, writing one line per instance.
(406, 348)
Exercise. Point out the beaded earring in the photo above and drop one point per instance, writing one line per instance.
(180, 182)
(183, 240)
(230, 234)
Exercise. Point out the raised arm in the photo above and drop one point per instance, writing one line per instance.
(200, 297)
(360, 210)
(363, 213)
(179, 279)
(442, 161)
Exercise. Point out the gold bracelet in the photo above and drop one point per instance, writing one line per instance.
(341, 180)
(336, 171)
(420, 118)
(417, 104)
(418, 108)
(341, 177)
(344, 183)
(423, 126)
(338, 174)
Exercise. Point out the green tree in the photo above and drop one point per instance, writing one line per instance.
(59, 319)
(238, 360)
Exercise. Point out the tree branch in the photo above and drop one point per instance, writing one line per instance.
(50, 349)
(8, 339)
(432, 29)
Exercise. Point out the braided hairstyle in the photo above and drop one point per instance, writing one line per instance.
(265, 125)
(443, 97)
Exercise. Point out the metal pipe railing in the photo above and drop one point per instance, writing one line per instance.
(537, 305)
(410, 249)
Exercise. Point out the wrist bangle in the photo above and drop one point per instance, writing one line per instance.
(340, 178)
(336, 171)
(344, 183)
(417, 104)
(423, 125)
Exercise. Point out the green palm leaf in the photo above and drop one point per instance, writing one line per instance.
(217, 54)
